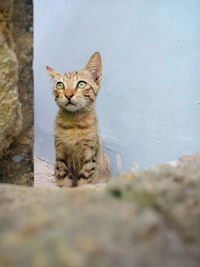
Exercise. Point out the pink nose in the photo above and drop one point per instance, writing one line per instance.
(68, 95)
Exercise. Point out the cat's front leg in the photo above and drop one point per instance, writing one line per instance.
(62, 173)
(87, 172)
(63, 176)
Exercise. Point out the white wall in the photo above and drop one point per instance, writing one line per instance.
(149, 104)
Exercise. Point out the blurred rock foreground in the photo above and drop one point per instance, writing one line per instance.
(151, 218)
(16, 92)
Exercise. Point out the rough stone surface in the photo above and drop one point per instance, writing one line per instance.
(149, 218)
(16, 97)
(10, 106)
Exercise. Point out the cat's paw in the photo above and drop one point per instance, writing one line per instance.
(65, 182)
(84, 181)
(63, 177)
(61, 170)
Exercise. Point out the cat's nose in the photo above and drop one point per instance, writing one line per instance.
(68, 95)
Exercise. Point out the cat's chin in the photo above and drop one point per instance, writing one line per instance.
(72, 108)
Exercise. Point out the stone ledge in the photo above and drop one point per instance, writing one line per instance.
(151, 218)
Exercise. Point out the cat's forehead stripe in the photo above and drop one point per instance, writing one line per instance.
(66, 75)
(69, 75)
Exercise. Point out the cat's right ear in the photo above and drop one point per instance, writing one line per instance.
(94, 66)
(53, 74)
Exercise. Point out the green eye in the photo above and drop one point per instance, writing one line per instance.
(81, 84)
(60, 85)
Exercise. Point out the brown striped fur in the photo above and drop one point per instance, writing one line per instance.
(79, 158)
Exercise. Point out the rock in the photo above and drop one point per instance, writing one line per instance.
(10, 106)
(6, 10)
(149, 218)
(16, 94)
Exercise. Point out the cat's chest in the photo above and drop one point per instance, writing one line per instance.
(71, 137)
(75, 138)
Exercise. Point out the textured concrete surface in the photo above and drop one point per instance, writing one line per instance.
(16, 94)
(10, 106)
(149, 218)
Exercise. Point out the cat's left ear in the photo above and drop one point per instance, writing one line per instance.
(54, 75)
(94, 66)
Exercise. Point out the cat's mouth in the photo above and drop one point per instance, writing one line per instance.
(71, 107)
(70, 103)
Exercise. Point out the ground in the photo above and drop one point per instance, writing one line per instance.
(43, 174)
(147, 218)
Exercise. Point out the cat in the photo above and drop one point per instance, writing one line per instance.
(79, 156)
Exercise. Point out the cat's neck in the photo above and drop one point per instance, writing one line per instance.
(78, 115)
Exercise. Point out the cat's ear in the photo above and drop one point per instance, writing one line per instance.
(94, 66)
(54, 75)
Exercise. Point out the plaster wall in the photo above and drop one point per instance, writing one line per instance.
(149, 103)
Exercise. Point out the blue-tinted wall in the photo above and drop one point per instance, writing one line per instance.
(149, 104)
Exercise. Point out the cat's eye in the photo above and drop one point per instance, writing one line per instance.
(60, 85)
(81, 84)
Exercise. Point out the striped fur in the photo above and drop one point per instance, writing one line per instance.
(79, 158)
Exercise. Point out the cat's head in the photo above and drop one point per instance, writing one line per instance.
(77, 90)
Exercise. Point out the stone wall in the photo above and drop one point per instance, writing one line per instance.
(16, 92)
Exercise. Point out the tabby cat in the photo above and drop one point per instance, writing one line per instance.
(79, 156)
